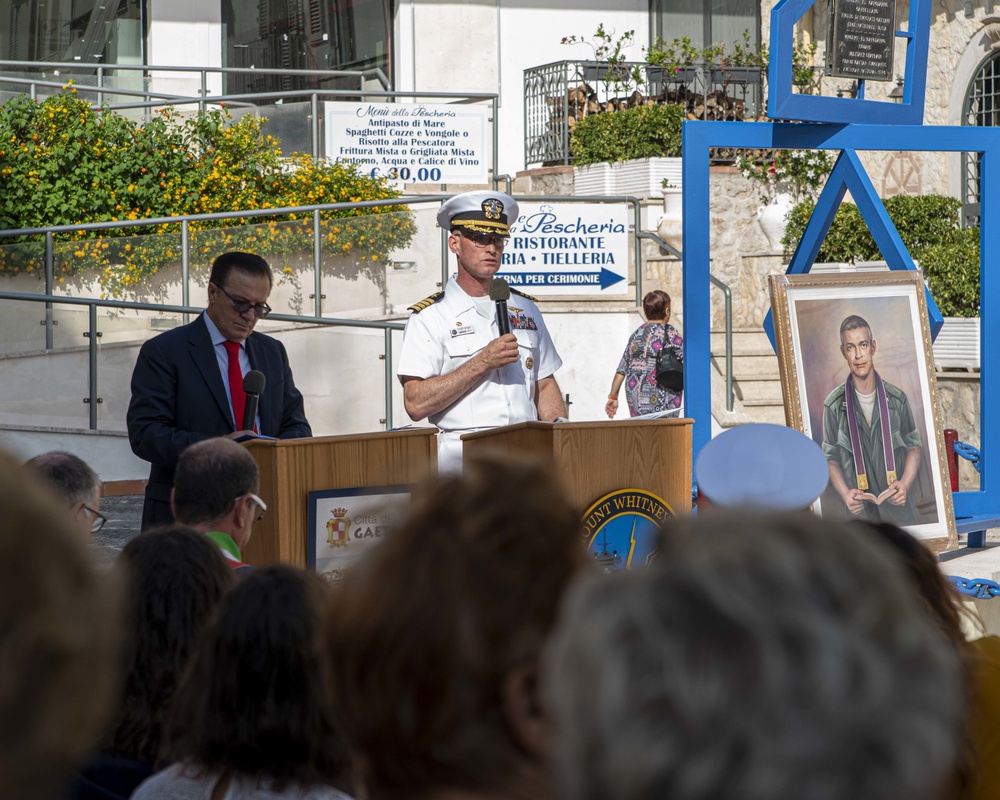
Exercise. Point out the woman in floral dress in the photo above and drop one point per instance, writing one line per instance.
(637, 369)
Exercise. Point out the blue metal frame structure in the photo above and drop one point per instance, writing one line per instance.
(698, 137)
(782, 103)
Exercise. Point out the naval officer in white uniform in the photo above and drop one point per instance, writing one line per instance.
(455, 367)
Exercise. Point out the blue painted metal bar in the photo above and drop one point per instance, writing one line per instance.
(783, 103)
(695, 140)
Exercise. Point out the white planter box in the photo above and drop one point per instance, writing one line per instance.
(957, 344)
(642, 177)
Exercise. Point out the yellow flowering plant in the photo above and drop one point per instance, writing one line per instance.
(63, 162)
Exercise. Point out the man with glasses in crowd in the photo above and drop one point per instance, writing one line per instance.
(188, 383)
(215, 493)
(76, 484)
(455, 366)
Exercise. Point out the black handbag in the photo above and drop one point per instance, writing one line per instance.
(669, 368)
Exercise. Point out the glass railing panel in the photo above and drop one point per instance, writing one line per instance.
(44, 388)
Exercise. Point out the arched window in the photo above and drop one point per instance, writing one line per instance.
(982, 107)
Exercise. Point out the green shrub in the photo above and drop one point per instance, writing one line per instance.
(952, 272)
(640, 132)
(931, 231)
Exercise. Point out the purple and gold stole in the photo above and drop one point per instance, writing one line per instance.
(850, 396)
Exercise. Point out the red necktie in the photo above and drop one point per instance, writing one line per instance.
(236, 383)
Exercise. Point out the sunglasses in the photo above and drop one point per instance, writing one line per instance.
(484, 239)
(242, 306)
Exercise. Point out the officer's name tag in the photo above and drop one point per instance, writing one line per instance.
(465, 331)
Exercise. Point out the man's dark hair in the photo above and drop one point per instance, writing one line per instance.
(174, 579)
(69, 475)
(254, 699)
(854, 322)
(210, 476)
(250, 263)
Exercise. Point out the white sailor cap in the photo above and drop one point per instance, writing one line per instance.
(762, 467)
(480, 212)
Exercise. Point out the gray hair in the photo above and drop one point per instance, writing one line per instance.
(66, 474)
(760, 658)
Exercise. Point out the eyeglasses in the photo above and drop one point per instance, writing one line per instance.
(99, 520)
(484, 239)
(262, 504)
(243, 306)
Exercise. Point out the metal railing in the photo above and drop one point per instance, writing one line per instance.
(558, 95)
(49, 299)
(101, 73)
(184, 222)
(93, 398)
(727, 295)
(313, 117)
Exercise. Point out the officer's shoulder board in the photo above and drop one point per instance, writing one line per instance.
(525, 296)
(416, 308)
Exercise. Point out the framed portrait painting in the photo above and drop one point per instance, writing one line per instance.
(857, 377)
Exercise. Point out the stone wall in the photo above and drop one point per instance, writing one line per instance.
(741, 256)
(958, 398)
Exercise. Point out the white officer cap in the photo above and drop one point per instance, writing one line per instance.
(762, 467)
(479, 212)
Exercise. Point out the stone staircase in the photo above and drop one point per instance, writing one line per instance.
(756, 381)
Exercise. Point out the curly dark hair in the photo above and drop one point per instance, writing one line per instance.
(174, 578)
(253, 700)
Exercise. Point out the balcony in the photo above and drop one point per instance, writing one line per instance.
(559, 94)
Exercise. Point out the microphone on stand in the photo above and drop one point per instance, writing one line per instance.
(253, 385)
(500, 294)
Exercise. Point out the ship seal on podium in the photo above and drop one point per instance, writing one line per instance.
(622, 528)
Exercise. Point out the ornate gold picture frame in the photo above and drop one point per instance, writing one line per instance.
(857, 373)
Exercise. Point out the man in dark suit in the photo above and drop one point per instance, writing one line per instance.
(187, 383)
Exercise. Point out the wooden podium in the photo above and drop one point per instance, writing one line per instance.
(291, 468)
(595, 458)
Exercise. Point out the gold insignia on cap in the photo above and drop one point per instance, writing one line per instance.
(492, 208)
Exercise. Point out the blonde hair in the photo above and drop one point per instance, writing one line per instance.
(59, 646)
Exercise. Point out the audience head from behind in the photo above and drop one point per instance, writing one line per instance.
(174, 579)
(75, 483)
(437, 677)
(253, 708)
(58, 649)
(774, 656)
(215, 492)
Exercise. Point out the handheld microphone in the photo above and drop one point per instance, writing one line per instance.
(500, 294)
(253, 385)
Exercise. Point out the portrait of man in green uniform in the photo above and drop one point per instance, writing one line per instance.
(870, 438)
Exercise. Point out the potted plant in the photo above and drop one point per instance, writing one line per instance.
(670, 226)
(628, 151)
(672, 62)
(741, 66)
(784, 180)
(805, 76)
(610, 64)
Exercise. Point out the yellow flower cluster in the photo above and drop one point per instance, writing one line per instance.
(65, 163)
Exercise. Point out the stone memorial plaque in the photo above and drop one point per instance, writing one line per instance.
(860, 39)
